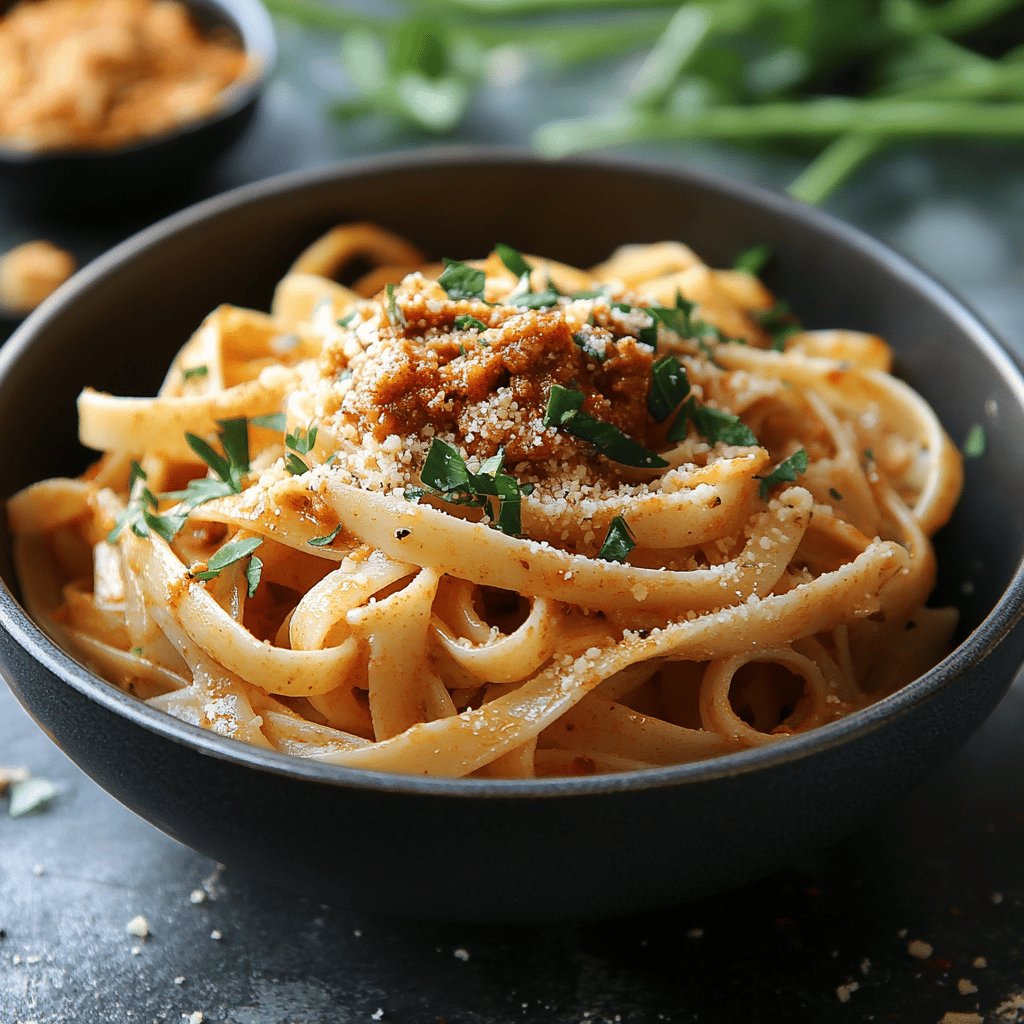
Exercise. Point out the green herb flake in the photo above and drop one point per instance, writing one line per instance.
(347, 318)
(139, 514)
(785, 472)
(669, 386)
(137, 651)
(464, 322)
(294, 464)
(322, 542)
(273, 421)
(513, 260)
(253, 574)
(534, 300)
(302, 441)
(461, 281)
(232, 552)
(715, 425)
(446, 476)
(975, 442)
(195, 372)
(395, 315)
(779, 324)
(618, 542)
(564, 412)
(753, 260)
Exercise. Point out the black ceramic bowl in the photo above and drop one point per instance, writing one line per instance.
(75, 180)
(539, 849)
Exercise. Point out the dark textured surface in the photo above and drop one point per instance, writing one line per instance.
(944, 867)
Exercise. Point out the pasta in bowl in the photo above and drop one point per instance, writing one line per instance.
(505, 517)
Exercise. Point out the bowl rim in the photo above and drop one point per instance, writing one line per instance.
(995, 627)
(255, 29)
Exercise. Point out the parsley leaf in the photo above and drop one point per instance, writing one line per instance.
(301, 441)
(713, 424)
(618, 542)
(564, 411)
(669, 386)
(464, 322)
(347, 318)
(233, 464)
(779, 323)
(444, 469)
(140, 515)
(513, 259)
(680, 320)
(445, 475)
(461, 281)
(752, 261)
(785, 471)
(974, 443)
(194, 372)
(322, 542)
(395, 315)
(253, 574)
(233, 551)
(272, 421)
(534, 300)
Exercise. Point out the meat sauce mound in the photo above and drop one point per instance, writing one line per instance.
(490, 389)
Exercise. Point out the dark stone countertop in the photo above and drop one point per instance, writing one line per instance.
(945, 867)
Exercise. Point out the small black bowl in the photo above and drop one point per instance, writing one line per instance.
(84, 180)
(498, 850)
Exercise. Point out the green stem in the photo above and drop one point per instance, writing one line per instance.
(563, 44)
(498, 8)
(838, 161)
(814, 119)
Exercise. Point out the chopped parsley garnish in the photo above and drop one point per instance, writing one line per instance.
(834, 494)
(395, 315)
(534, 300)
(461, 281)
(669, 386)
(140, 513)
(465, 322)
(752, 261)
(593, 293)
(779, 323)
(232, 552)
(618, 541)
(716, 425)
(680, 320)
(253, 574)
(300, 442)
(347, 318)
(272, 421)
(564, 411)
(785, 471)
(446, 476)
(513, 260)
(195, 372)
(975, 442)
(322, 542)
(229, 468)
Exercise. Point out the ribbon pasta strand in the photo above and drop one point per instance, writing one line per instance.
(506, 518)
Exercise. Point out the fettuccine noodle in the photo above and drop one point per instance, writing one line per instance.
(504, 518)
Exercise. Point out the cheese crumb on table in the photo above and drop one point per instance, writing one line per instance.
(966, 987)
(139, 927)
(29, 273)
(843, 992)
(921, 950)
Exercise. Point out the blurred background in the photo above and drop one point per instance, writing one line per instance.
(905, 118)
